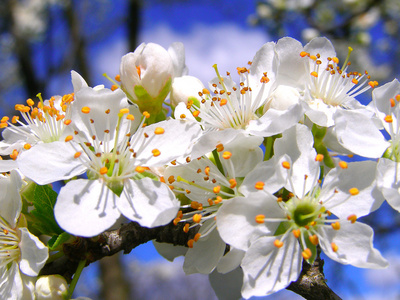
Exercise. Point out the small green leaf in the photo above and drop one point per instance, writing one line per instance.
(57, 240)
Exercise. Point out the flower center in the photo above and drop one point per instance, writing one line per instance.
(9, 244)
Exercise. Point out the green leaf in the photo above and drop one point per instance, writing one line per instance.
(42, 219)
(57, 240)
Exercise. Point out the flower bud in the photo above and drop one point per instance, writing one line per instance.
(146, 76)
(52, 287)
(185, 87)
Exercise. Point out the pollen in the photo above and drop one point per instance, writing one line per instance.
(314, 74)
(343, 164)
(140, 169)
(207, 170)
(176, 221)
(103, 170)
(159, 130)
(197, 218)
(27, 146)
(124, 111)
(336, 225)
(352, 218)
(286, 164)
(319, 157)
(233, 183)
(190, 243)
(14, 154)
(227, 155)
(186, 228)
(334, 247)
(196, 113)
(313, 239)
(130, 117)
(306, 254)
(205, 91)
(114, 87)
(68, 138)
(30, 102)
(220, 148)
(303, 54)
(182, 116)
(118, 78)
(67, 122)
(260, 219)
(388, 119)
(85, 110)
(392, 103)
(216, 189)
(146, 114)
(197, 236)
(278, 243)
(296, 233)
(223, 102)
(353, 191)
(259, 185)
(77, 154)
(155, 152)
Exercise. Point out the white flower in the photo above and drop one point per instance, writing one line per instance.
(43, 123)
(227, 109)
(117, 164)
(385, 101)
(22, 254)
(277, 232)
(185, 88)
(209, 185)
(53, 287)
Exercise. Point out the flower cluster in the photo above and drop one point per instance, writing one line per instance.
(254, 170)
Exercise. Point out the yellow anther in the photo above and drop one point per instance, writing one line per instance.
(313, 239)
(388, 119)
(190, 243)
(118, 77)
(197, 218)
(205, 91)
(314, 74)
(146, 114)
(182, 116)
(397, 97)
(155, 152)
(223, 102)
(335, 60)
(319, 157)
(114, 87)
(343, 164)
(179, 214)
(186, 228)
(260, 219)
(77, 154)
(352, 218)
(392, 103)
(355, 81)
(336, 225)
(335, 247)
(124, 111)
(207, 170)
(216, 189)
(4, 119)
(219, 147)
(14, 154)
(67, 122)
(278, 243)
(103, 170)
(176, 221)
(226, 155)
(196, 113)
(303, 54)
(197, 236)
(306, 253)
(68, 138)
(140, 169)
(27, 146)
(14, 119)
(233, 183)
(286, 164)
(85, 110)
(353, 191)
(130, 117)
(30, 102)
(259, 185)
(3, 125)
(296, 233)
(139, 72)
(159, 130)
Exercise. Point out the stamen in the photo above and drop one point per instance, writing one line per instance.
(278, 243)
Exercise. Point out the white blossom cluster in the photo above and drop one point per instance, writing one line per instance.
(254, 167)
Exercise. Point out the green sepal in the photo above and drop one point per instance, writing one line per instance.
(319, 134)
(282, 228)
(57, 240)
(41, 219)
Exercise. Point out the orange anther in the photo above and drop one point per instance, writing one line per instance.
(260, 219)
(336, 225)
(352, 218)
(286, 164)
(159, 130)
(278, 243)
(313, 239)
(343, 164)
(259, 185)
(226, 155)
(353, 191)
(296, 233)
(306, 253)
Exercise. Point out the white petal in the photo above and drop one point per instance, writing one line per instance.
(148, 202)
(335, 193)
(236, 219)
(77, 81)
(268, 269)
(50, 162)
(177, 52)
(205, 254)
(11, 286)
(176, 142)
(230, 261)
(10, 199)
(86, 207)
(388, 181)
(227, 286)
(354, 243)
(352, 128)
(7, 165)
(321, 46)
(170, 251)
(34, 253)
(276, 121)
